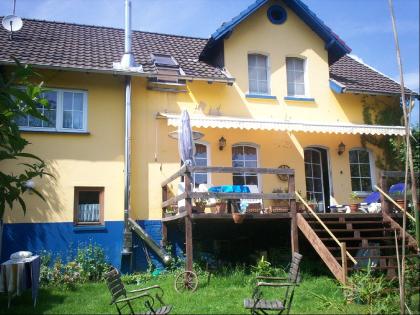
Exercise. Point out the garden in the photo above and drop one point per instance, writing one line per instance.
(78, 287)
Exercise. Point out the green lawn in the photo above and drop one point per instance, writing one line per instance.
(224, 294)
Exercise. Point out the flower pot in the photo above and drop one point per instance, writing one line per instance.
(401, 203)
(238, 218)
(221, 207)
(354, 207)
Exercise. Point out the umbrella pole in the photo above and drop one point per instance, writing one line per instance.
(188, 223)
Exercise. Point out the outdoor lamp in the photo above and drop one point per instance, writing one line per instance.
(341, 148)
(222, 143)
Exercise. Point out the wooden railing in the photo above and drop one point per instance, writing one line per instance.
(395, 204)
(189, 194)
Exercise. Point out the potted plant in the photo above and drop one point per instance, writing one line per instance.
(169, 211)
(354, 205)
(238, 213)
(199, 205)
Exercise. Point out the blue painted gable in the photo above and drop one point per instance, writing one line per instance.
(334, 44)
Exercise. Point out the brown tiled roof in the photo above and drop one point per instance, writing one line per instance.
(358, 77)
(95, 48)
(67, 45)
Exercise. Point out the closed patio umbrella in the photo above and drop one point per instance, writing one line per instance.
(186, 145)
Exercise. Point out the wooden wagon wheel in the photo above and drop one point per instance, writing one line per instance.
(186, 281)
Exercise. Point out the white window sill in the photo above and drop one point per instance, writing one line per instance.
(53, 131)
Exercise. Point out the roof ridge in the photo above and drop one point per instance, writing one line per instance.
(111, 27)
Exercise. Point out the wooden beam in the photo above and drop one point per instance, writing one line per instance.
(294, 234)
(257, 170)
(188, 224)
(171, 178)
(175, 217)
(320, 248)
(220, 195)
(174, 200)
(344, 262)
(384, 201)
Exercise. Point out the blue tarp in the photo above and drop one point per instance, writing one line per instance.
(230, 189)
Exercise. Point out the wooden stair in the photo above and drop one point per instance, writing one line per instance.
(375, 232)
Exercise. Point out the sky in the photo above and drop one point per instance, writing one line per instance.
(365, 25)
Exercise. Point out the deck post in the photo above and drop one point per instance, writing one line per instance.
(164, 198)
(384, 201)
(344, 262)
(188, 222)
(164, 234)
(293, 214)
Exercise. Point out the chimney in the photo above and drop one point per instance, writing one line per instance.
(127, 61)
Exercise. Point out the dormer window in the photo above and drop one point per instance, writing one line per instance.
(168, 69)
(161, 60)
(258, 74)
(295, 77)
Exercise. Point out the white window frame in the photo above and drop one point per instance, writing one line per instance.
(207, 145)
(257, 148)
(372, 170)
(268, 67)
(60, 111)
(305, 76)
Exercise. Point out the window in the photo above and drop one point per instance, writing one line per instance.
(88, 205)
(276, 14)
(360, 170)
(244, 156)
(67, 111)
(258, 74)
(164, 60)
(201, 159)
(295, 76)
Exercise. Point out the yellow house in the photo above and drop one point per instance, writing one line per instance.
(273, 87)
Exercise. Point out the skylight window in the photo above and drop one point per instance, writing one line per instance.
(164, 61)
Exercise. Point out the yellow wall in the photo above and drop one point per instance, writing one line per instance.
(97, 159)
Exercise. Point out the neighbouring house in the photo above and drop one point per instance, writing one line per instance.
(272, 87)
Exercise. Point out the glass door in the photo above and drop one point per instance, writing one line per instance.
(314, 178)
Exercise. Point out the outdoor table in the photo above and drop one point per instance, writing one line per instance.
(19, 275)
(230, 189)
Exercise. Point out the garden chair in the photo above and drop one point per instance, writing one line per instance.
(258, 305)
(121, 299)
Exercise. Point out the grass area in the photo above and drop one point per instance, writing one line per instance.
(224, 294)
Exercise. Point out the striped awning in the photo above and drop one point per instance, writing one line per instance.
(224, 122)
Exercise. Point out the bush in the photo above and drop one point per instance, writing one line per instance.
(88, 265)
(91, 260)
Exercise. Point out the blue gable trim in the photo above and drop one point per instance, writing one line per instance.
(333, 42)
(337, 88)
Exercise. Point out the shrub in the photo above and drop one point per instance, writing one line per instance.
(91, 259)
(263, 268)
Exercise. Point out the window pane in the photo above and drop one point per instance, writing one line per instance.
(68, 101)
(366, 184)
(299, 89)
(363, 156)
(51, 116)
(364, 170)
(253, 74)
(253, 86)
(238, 163)
(299, 77)
(262, 61)
(251, 180)
(298, 64)
(200, 151)
(35, 122)
(308, 169)
(51, 96)
(353, 156)
(262, 74)
(252, 60)
(291, 89)
(201, 162)
(22, 121)
(200, 178)
(250, 163)
(238, 180)
(309, 185)
(317, 171)
(77, 120)
(355, 184)
(237, 153)
(78, 101)
(250, 153)
(354, 170)
(290, 77)
(67, 119)
(263, 87)
(317, 185)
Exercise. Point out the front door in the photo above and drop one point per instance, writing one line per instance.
(316, 174)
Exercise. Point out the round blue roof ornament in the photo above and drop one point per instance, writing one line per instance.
(276, 14)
